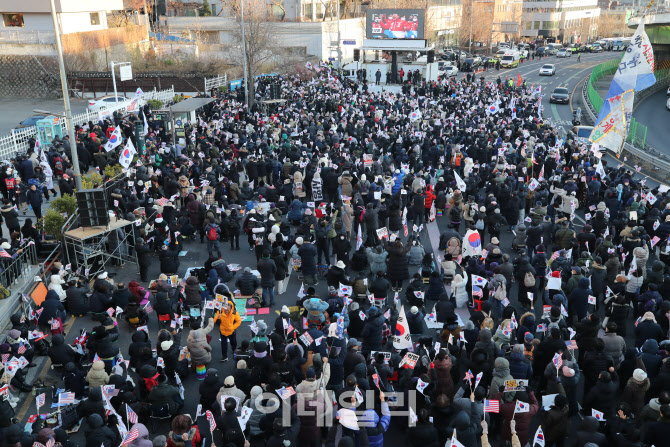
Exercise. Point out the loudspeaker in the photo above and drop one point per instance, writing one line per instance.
(357, 54)
(92, 207)
(431, 56)
(275, 91)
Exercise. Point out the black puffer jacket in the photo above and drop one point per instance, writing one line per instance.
(92, 405)
(60, 353)
(77, 301)
(99, 434)
(52, 308)
(247, 282)
(372, 332)
(209, 388)
(104, 346)
(140, 349)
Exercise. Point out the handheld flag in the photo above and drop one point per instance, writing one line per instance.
(539, 437)
(600, 416)
(521, 407)
(210, 419)
(130, 436)
(131, 415)
(402, 338)
(114, 139)
(127, 154)
(40, 400)
(491, 406)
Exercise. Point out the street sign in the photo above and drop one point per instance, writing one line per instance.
(348, 42)
(331, 59)
(178, 123)
(126, 72)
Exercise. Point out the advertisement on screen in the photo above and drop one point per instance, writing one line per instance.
(395, 23)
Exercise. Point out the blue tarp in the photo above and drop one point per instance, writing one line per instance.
(161, 36)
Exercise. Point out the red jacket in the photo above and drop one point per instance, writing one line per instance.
(430, 196)
(522, 419)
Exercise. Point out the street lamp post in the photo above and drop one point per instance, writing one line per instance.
(66, 100)
(244, 58)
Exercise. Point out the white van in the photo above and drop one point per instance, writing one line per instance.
(510, 59)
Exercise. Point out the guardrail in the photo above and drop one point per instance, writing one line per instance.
(17, 141)
(219, 81)
(12, 271)
(646, 153)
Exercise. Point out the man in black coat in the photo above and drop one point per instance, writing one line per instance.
(61, 353)
(99, 434)
(143, 258)
(76, 298)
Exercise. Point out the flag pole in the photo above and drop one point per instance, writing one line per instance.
(127, 418)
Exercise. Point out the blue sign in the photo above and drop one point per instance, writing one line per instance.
(332, 59)
(348, 42)
(178, 123)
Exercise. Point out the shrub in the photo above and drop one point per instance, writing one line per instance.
(155, 104)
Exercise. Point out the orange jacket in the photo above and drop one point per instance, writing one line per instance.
(228, 322)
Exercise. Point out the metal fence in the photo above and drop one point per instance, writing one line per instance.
(19, 267)
(637, 132)
(17, 141)
(219, 81)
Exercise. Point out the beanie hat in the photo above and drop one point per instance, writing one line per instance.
(639, 375)
(230, 381)
(414, 310)
(166, 345)
(242, 364)
(284, 309)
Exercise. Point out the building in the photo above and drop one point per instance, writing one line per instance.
(566, 21)
(33, 17)
(507, 15)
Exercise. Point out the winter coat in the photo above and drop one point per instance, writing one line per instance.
(97, 376)
(268, 270)
(377, 261)
(77, 300)
(164, 394)
(247, 282)
(634, 394)
(61, 353)
(56, 284)
(200, 350)
(97, 434)
(51, 308)
(372, 331)
(603, 396)
(588, 433)
(397, 262)
(578, 301)
(307, 253)
(376, 425)
(615, 346)
(522, 419)
(519, 366)
(228, 321)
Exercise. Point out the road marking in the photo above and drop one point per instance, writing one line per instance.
(574, 89)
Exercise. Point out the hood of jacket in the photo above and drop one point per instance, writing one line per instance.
(140, 337)
(461, 421)
(583, 283)
(52, 295)
(94, 421)
(650, 346)
(57, 340)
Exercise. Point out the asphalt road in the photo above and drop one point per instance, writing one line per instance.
(652, 113)
(15, 110)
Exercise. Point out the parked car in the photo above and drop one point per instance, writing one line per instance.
(30, 121)
(105, 102)
(450, 71)
(564, 52)
(667, 104)
(667, 92)
(547, 70)
(560, 95)
(540, 51)
(596, 48)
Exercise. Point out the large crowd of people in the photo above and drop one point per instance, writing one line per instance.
(545, 301)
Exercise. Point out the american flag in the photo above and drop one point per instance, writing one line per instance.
(51, 442)
(4, 254)
(491, 406)
(40, 400)
(130, 436)
(571, 344)
(477, 291)
(555, 255)
(22, 349)
(469, 376)
(66, 398)
(210, 419)
(162, 201)
(132, 416)
(375, 378)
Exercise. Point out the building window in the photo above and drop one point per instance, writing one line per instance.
(13, 19)
(536, 25)
(95, 18)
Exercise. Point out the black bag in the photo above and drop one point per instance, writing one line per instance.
(67, 417)
(201, 274)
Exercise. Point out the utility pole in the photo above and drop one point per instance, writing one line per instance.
(339, 40)
(472, 7)
(244, 59)
(66, 101)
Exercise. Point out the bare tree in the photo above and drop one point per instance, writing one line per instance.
(259, 38)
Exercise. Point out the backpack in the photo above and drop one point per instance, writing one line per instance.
(479, 225)
(211, 233)
(529, 280)
(58, 166)
(457, 160)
